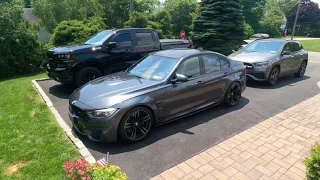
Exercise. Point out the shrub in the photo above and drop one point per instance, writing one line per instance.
(76, 32)
(248, 31)
(78, 169)
(313, 163)
(21, 52)
(109, 173)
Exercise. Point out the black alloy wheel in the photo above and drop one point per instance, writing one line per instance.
(302, 70)
(136, 124)
(274, 76)
(233, 94)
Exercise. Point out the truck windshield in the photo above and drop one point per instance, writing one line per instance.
(153, 67)
(100, 37)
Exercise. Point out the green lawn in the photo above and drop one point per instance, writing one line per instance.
(311, 45)
(32, 144)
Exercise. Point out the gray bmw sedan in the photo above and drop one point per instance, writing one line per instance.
(269, 59)
(161, 87)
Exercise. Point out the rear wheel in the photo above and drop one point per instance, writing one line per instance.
(274, 76)
(85, 75)
(135, 124)
(302, 70)
(233, 94)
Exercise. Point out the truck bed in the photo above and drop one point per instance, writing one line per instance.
(174, 43)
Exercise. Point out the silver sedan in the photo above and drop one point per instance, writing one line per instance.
(269, 59)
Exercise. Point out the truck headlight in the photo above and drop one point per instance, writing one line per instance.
(261, 64)
(102, 113)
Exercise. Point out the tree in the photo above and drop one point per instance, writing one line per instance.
(148, 6)
(308, 20)
(137, 20)
(164, 19)
(21, 51)
(219, 26)
(52, 12)
(253, 12)
(180, 11)
(272, 21)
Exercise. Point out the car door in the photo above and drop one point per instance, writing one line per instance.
(287, 60)
(183, 96)
(121, 56)
(216, 70)
(298, 56)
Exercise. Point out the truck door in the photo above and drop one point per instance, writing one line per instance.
(120, 57)
(146, 43)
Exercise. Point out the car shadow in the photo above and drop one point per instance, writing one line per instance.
(62, 91)
(164, 131)
(283, 81)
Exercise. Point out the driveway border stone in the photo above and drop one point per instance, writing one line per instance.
(76, 141)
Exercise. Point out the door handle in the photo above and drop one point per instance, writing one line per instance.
(199, 82)
(128, 49)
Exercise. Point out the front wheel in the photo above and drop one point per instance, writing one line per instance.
(274, 76)
(85, 75)
(135, 124)
(233, 94)
(302, 70)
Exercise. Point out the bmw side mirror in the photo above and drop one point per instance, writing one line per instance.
(286, 53)
(112, 45)
(179, 78)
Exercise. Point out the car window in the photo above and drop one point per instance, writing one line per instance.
(225, 64)
(144, 38)
(123, 40)
(287, 47)
(211, 63)
(190, 67)
(297, 46)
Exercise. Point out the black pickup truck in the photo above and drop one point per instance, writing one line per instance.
(107, 52)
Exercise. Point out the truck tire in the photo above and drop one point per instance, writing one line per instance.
(85, 75)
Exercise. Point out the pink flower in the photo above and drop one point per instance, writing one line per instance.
(80, 172)
(87, 169)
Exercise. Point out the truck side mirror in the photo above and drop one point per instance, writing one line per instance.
(112, 45)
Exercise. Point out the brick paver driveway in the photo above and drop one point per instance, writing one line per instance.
(173, 143)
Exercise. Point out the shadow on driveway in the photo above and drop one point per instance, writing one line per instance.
(283, 81)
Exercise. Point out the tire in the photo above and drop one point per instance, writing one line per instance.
(233, 94)
(85, 75)
(274, 76)
(302, 70)
(135, 125)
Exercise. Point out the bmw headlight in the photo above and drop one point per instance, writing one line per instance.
(102, 113)
(261, 64)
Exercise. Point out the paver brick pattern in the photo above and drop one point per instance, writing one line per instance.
(272, 149)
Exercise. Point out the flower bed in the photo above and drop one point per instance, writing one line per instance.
(80, 169)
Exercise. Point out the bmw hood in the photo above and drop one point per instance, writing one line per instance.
(112, 89)
(252, 57)
(72, 49)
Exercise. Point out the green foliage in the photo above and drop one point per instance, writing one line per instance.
(115, 12)
(21, 52)
(147, 6)
(76, 32)
(137, 20)
(219, 26)
(180, 11)
(109, 173)
(272, 21)
(163, 19)
(52, 12)
(253, 12)
(313, 163)
(248, 31)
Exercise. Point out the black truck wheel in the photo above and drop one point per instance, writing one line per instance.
(85, 75)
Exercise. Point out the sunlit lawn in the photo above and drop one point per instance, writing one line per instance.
(32, 144)
(311, 45)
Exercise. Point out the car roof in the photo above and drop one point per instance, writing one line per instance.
(276, 40)
(179, 53)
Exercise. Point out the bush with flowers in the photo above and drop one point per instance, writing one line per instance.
(80, 169)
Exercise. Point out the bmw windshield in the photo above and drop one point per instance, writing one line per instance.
(153, 67)
(100, 38)
(264, 47)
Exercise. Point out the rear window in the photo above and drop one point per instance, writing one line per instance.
(144, 38)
